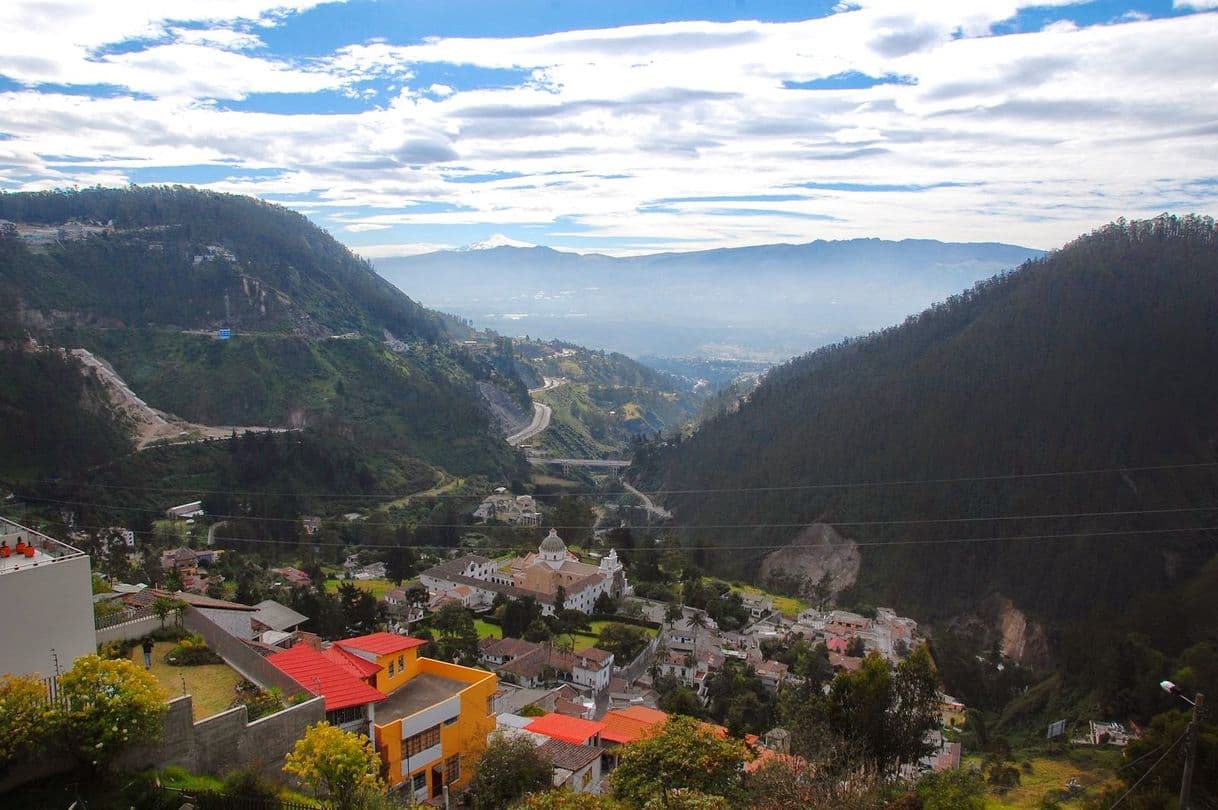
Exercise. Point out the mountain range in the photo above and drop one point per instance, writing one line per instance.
(765, 302)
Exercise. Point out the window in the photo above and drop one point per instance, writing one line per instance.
(390, 669)
(340, 717)
(419, 782)
(450, 720)
(430, 738)
(452, 769)
(401, 663)
(585, 779)
(490, 705)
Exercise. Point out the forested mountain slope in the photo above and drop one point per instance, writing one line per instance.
(1098, 356)
(142, 277)
(189, 259)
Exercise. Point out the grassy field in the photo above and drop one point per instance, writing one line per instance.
(212, 687)
(582, 640)
(376, 587)
(1093, 769)
(789, 605)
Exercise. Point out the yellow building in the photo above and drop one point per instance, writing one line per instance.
(430, 720)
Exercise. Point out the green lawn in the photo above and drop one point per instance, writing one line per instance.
(790, 605)
(376, 587)
(212, 687)
(582, 640)
(1050, 774)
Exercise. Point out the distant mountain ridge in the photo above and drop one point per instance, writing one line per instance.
(765, 301)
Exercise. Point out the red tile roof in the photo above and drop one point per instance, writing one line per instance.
(381, 643)
(352, 663)
(321, 676)
(561, 727)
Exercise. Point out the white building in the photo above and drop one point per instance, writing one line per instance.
(46, 599)
(545, 575)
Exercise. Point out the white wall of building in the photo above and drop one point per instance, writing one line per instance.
(44, 608)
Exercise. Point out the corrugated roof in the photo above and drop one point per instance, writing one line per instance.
(322, 676)
(630, 724)
(561, 727)
(381, 643)
(278, 616)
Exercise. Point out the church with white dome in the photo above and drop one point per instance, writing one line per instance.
(546, 575)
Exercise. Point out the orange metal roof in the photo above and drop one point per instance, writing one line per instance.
(632, 723)
(321, 676)
(381, 643)
(562, 727)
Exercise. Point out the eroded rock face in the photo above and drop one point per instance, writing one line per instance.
(816, 552)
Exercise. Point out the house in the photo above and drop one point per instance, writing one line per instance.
(569, 729)
(236, 619)
(293, 576)
(576, 767)
(518, 510)
(46, 601)
(427, 719)
(624, 726)
(772, 673)
(691, 670)
(310, 524)
(276, 624)
(544, 576)
(758, 604)
(186, 511)
(846, 624)
(532, 664)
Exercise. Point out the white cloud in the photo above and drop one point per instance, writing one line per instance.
(1195, 5)
(1029, 138)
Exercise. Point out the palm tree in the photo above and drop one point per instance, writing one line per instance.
(162, 607)
(698, 622)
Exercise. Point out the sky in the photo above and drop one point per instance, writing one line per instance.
(632, 126)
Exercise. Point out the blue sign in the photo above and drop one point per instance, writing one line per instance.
(224, 334)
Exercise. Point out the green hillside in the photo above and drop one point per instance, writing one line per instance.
(1098, 356)
(142, 277)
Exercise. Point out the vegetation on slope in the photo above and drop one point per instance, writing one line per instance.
(1098, 356)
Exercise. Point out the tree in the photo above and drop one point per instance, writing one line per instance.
(856, 648)
(338, 765)
(673, 612)
(605, 604)
(509, 768)
(162, 606)
(108, 705)
(538, 632)
(684, 756)
(951, 790)
(458, 640)
(361, 611)
(518, 614)
(786, 782)
(400, 561)
(625, 641)
(25, 717)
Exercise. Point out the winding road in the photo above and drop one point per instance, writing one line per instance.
(541, 413)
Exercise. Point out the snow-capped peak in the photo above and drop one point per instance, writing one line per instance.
(498, 240)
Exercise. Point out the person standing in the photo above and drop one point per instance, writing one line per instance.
(148, 653)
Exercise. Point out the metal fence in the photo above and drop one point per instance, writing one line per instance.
(131, 614)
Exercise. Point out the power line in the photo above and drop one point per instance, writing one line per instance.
(692, 526)
(718, 490)
(1149, 771)
(664, 549)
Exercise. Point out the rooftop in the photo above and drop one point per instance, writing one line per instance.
(278, 616)
(381, 643)
(634, 723)
(419, 693)
(46, 549)
(568, 756)
(321, 676)
(561, 727)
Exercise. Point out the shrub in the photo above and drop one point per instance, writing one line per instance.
(249, 783)
(191, 651)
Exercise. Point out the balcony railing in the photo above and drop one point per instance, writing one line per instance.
(47, 550)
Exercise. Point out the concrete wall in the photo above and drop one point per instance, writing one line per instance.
(222, 742)
(212, 746)
(251, 665)
(43, 608)
(137, 628)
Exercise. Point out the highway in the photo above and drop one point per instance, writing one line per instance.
(541, 421)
